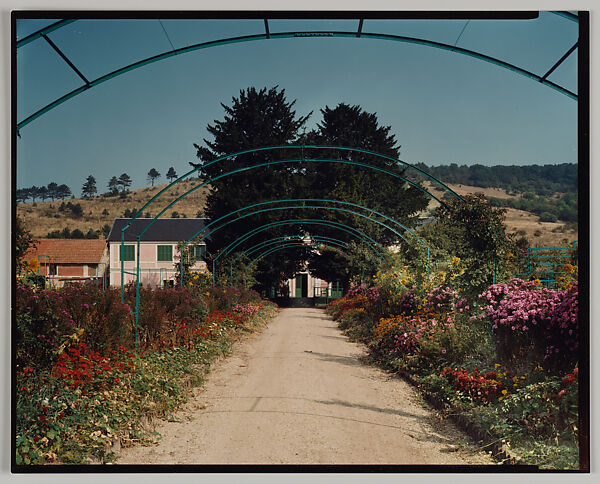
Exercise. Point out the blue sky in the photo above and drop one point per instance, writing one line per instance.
(442, 107)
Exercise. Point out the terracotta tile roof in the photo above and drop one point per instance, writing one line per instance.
(69, 251)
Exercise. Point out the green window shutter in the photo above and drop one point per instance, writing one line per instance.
(164, 253)
(129, 253)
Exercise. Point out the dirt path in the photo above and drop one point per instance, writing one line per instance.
(297, 394)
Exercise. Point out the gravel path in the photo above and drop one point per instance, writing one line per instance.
(297, 393)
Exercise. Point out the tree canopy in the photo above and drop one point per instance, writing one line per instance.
(260, 118)
(89, 187)
(153, 174)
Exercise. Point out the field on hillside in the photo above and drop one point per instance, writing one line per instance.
(43, 217)
(539, 234)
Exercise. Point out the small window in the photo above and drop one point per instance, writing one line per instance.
(200, 252)
(164, 253)
(129, 253)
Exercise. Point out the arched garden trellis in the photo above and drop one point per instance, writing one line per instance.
(359, 33)
(287, 246)
(331, 224)
(270, 163)
(268, 35)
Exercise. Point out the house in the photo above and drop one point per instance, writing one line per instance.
(158, 249)
(65, 261)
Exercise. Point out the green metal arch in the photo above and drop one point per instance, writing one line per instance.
(328, 223)
(276, 240)
(253, 150)
(309, 207)
(302, 200)
(282, 247)
(277, 35)
(290, 238)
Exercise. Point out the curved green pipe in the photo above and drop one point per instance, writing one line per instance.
(286, 238)
(270, 202)
(280, 147)
(253, 150)
(276, 249)
(290, 238)
(306, 206)
(327, 223)
(44, 31)
(247, 168)
(282, 35)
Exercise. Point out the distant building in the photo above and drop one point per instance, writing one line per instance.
(66, 261)
(158, 249)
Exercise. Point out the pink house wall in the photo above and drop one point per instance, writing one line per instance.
(150, 268)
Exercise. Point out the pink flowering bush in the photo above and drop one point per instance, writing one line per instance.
(441, 298)
(532, 321)
(246, 309)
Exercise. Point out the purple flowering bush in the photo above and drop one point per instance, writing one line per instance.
(532, 322)
(47, 319)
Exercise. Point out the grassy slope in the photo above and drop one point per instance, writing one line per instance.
(45, 217)
(539, 234)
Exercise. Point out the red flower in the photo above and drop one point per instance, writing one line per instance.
(61, 415)
(561, 393)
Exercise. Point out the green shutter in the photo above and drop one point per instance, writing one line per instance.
(164, 253)
(129, 253)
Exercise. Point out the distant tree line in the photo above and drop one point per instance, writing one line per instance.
(52, 191)
(542, 180)
(66, 233)
(116, 186)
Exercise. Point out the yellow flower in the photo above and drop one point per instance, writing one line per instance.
(497, 365)
(500, 399)
(504, 392)
(537, 282)
(442, 274)
(33, 264)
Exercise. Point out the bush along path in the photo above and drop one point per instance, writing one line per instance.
(83, 385)
(504, 361)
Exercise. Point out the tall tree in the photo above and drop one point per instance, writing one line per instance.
(171, 175)
(124, 182)
(53, 190)
(351, 126)
(153, 175)
(43, 193)
(34, 192)
(63, 191)
(256, 118)
(113, 185)
(22, 194)
(89, 187)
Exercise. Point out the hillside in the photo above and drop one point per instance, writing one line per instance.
(540, 234)
(44, 217)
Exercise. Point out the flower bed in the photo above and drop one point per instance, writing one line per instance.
(82, 383)
(507, 360)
